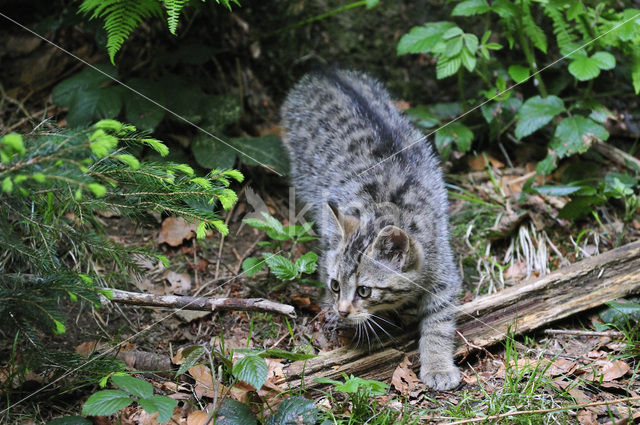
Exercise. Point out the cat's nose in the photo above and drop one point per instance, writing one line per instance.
(343, 313)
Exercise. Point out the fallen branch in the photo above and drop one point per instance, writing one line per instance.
(617, 156)
(487, 320)
(612, 334)
(202, 303)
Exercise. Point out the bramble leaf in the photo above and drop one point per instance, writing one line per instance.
(537, 112)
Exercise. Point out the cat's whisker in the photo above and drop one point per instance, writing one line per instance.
(385, 320)
(366, 332)
(384, 330)
(368, 323)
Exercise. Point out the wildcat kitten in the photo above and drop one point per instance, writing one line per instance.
(381, 208)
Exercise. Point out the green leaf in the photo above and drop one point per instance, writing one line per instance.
(537, 112)
(130, 160)
(423, 39)
(251, 266)
(159, 403)
(547, 165)
(423, 116)
(576, 8)
(59, 327)
(191, 356)
(13, 141)
(579, 207)
(70, 420)
(620, 312)
(283, 354)
(372, 3)
(266, 150)
(159, 147)
(470, 8)
(141, 112)
(519, 73)
(468, 60)
(235, 413)
(251, 369)
(98, 190)
(557, 190)
(135, 386)
(457, 133)
(7, 185)
(635, 75)
(604, 60)
(575, 134)
(584, 68)
(295, 410)
(629, 30)
(107, 402)
(280, 266)
(447, 66)
(211, 153)
(307, 263)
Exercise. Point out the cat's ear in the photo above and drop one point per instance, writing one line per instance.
(396, 249)
(344, 225)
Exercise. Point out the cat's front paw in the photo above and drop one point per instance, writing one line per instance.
(441, 380)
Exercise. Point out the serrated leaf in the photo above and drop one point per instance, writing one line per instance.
(159, 403)
(191, 357)
(251, 369)
(537, 112)
(584, 68)
(277, 353)
(235, 413)
(468, 60)
(470, 8)
(252, 266)
(106, 402)
(547, 165)
(518, 73)
(423, 39)
(457, 133)
(295, 410)
(447, 66)
(280, 266)
(575, 134)
(307, 263)
(135, 386)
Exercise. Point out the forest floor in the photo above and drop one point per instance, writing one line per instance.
(502, 235)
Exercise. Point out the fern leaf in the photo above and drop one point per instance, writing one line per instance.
(174, 8)
(532, 30)
(565, 36)
(120, 17)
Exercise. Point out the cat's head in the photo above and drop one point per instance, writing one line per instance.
(370, 270)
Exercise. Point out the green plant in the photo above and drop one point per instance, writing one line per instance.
(282, 267)
(53, 244)
(591, 36)
(121, 17)
(107, 402)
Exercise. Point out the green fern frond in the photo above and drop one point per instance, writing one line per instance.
(532, 30)
(121, 17)
(173, 8)
(564, 33)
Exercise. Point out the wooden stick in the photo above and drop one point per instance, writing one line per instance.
(617, 156)
(612, 334)
(201, 303)
(555, 409)
(486, 321)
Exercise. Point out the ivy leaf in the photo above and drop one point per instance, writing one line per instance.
(307, 263)
(135, 386)
(423, 39)
(537, 112)
(575, 134)
(280, 266)
(251, 369)
(457, 133)
(159, 403)
(252, 265)
(235, 413)
(104, 403)
(471, 8)
(295, 410)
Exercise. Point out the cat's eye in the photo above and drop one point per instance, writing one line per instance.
(363, 291)
(335, 285)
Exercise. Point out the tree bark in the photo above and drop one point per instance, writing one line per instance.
(486, 320)
(202, 303)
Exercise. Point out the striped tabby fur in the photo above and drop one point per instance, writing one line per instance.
(381, 211)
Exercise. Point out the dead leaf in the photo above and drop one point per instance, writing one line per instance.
(180, 282)
(175, 230)
(561, 367)
(403, 105)
(477, 163)
(198, 417)
(586, 417)
(570, 387)
(204, 381)
(276, 371)
(404, 379)
(191, 315)
(301, 301)
(88, 347)
(606, 371)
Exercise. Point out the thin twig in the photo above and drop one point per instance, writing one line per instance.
(203, 303)
(555, 409)
(613, 334)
